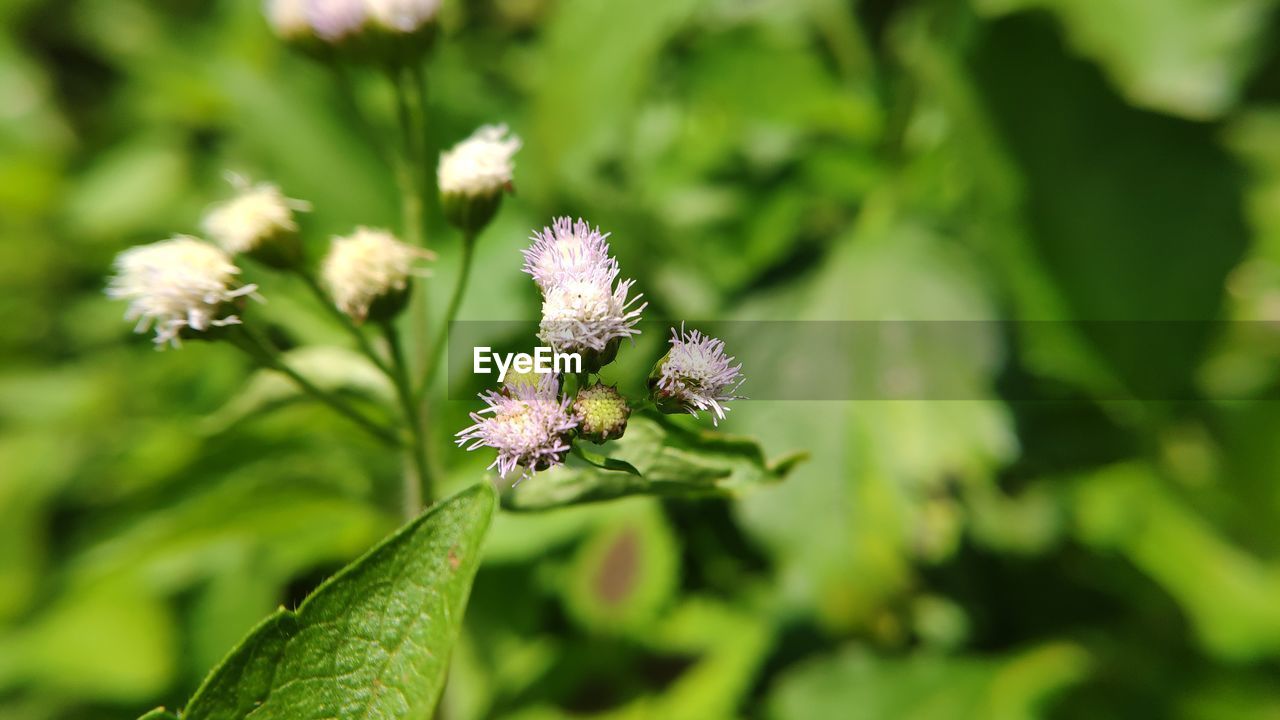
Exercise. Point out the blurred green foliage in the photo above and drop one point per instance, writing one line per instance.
(1056, 546)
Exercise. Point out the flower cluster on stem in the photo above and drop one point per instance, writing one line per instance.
(185, 287)
(588, 309)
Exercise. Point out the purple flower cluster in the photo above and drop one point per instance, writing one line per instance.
(585, 306)
(697, 375)
(566, 250)
(527, 424)
(588, 309)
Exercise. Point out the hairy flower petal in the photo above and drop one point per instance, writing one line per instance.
(365, 266)
(480, 165)
(527, 424)
(698, 375)
(177, 284)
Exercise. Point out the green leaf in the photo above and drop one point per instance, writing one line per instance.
(603, 462)
(626, 573)
(124, 640)
(372, 641)
(1187, 57)
(856, 684)
(1228, 593)
(127, 189)
(1099, 182)
(850, 525)
(660, 457)
(732, 645)
(563, 134)
(159, 714)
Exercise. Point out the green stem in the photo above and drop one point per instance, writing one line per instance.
(412, 176)
(644, 405)
(408, 164)
(415, 81)
(417, 484)
(351, 98)
(436, 350)
(362, 340)
(266, 354)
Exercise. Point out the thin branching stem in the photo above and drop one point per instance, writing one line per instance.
(436, 351)
(415, 94)
(362, 340)
(408, 163)
(411, 175)
(262, 350)
(418, 484)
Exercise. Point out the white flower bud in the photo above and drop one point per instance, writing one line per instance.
(473, 174)
(586, 314)
(177, 285)
(258, 221)
(402, 16)
(481, 164)
(335, 21)
(289, 18)
(368, 273)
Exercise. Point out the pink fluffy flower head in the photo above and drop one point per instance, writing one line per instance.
(696, 374)
(566, 250)
(336, 20)
(585, 312)
(528, 424)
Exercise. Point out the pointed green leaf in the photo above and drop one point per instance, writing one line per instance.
(604, 463)
(656, 456)
(1183, 57)
(857, 684)
(373, 641)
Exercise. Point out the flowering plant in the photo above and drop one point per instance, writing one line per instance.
(187, 288)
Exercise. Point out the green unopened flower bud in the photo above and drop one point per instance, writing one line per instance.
(402, 31)
(474, 174)
(602, 413)
(469, 213)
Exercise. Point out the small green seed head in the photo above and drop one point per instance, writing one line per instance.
(602, 413)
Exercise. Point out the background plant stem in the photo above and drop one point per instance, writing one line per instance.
(418, 484)
(362, 340)
(436, 350)
(411, 170)
(408, 166)
(264, 352)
